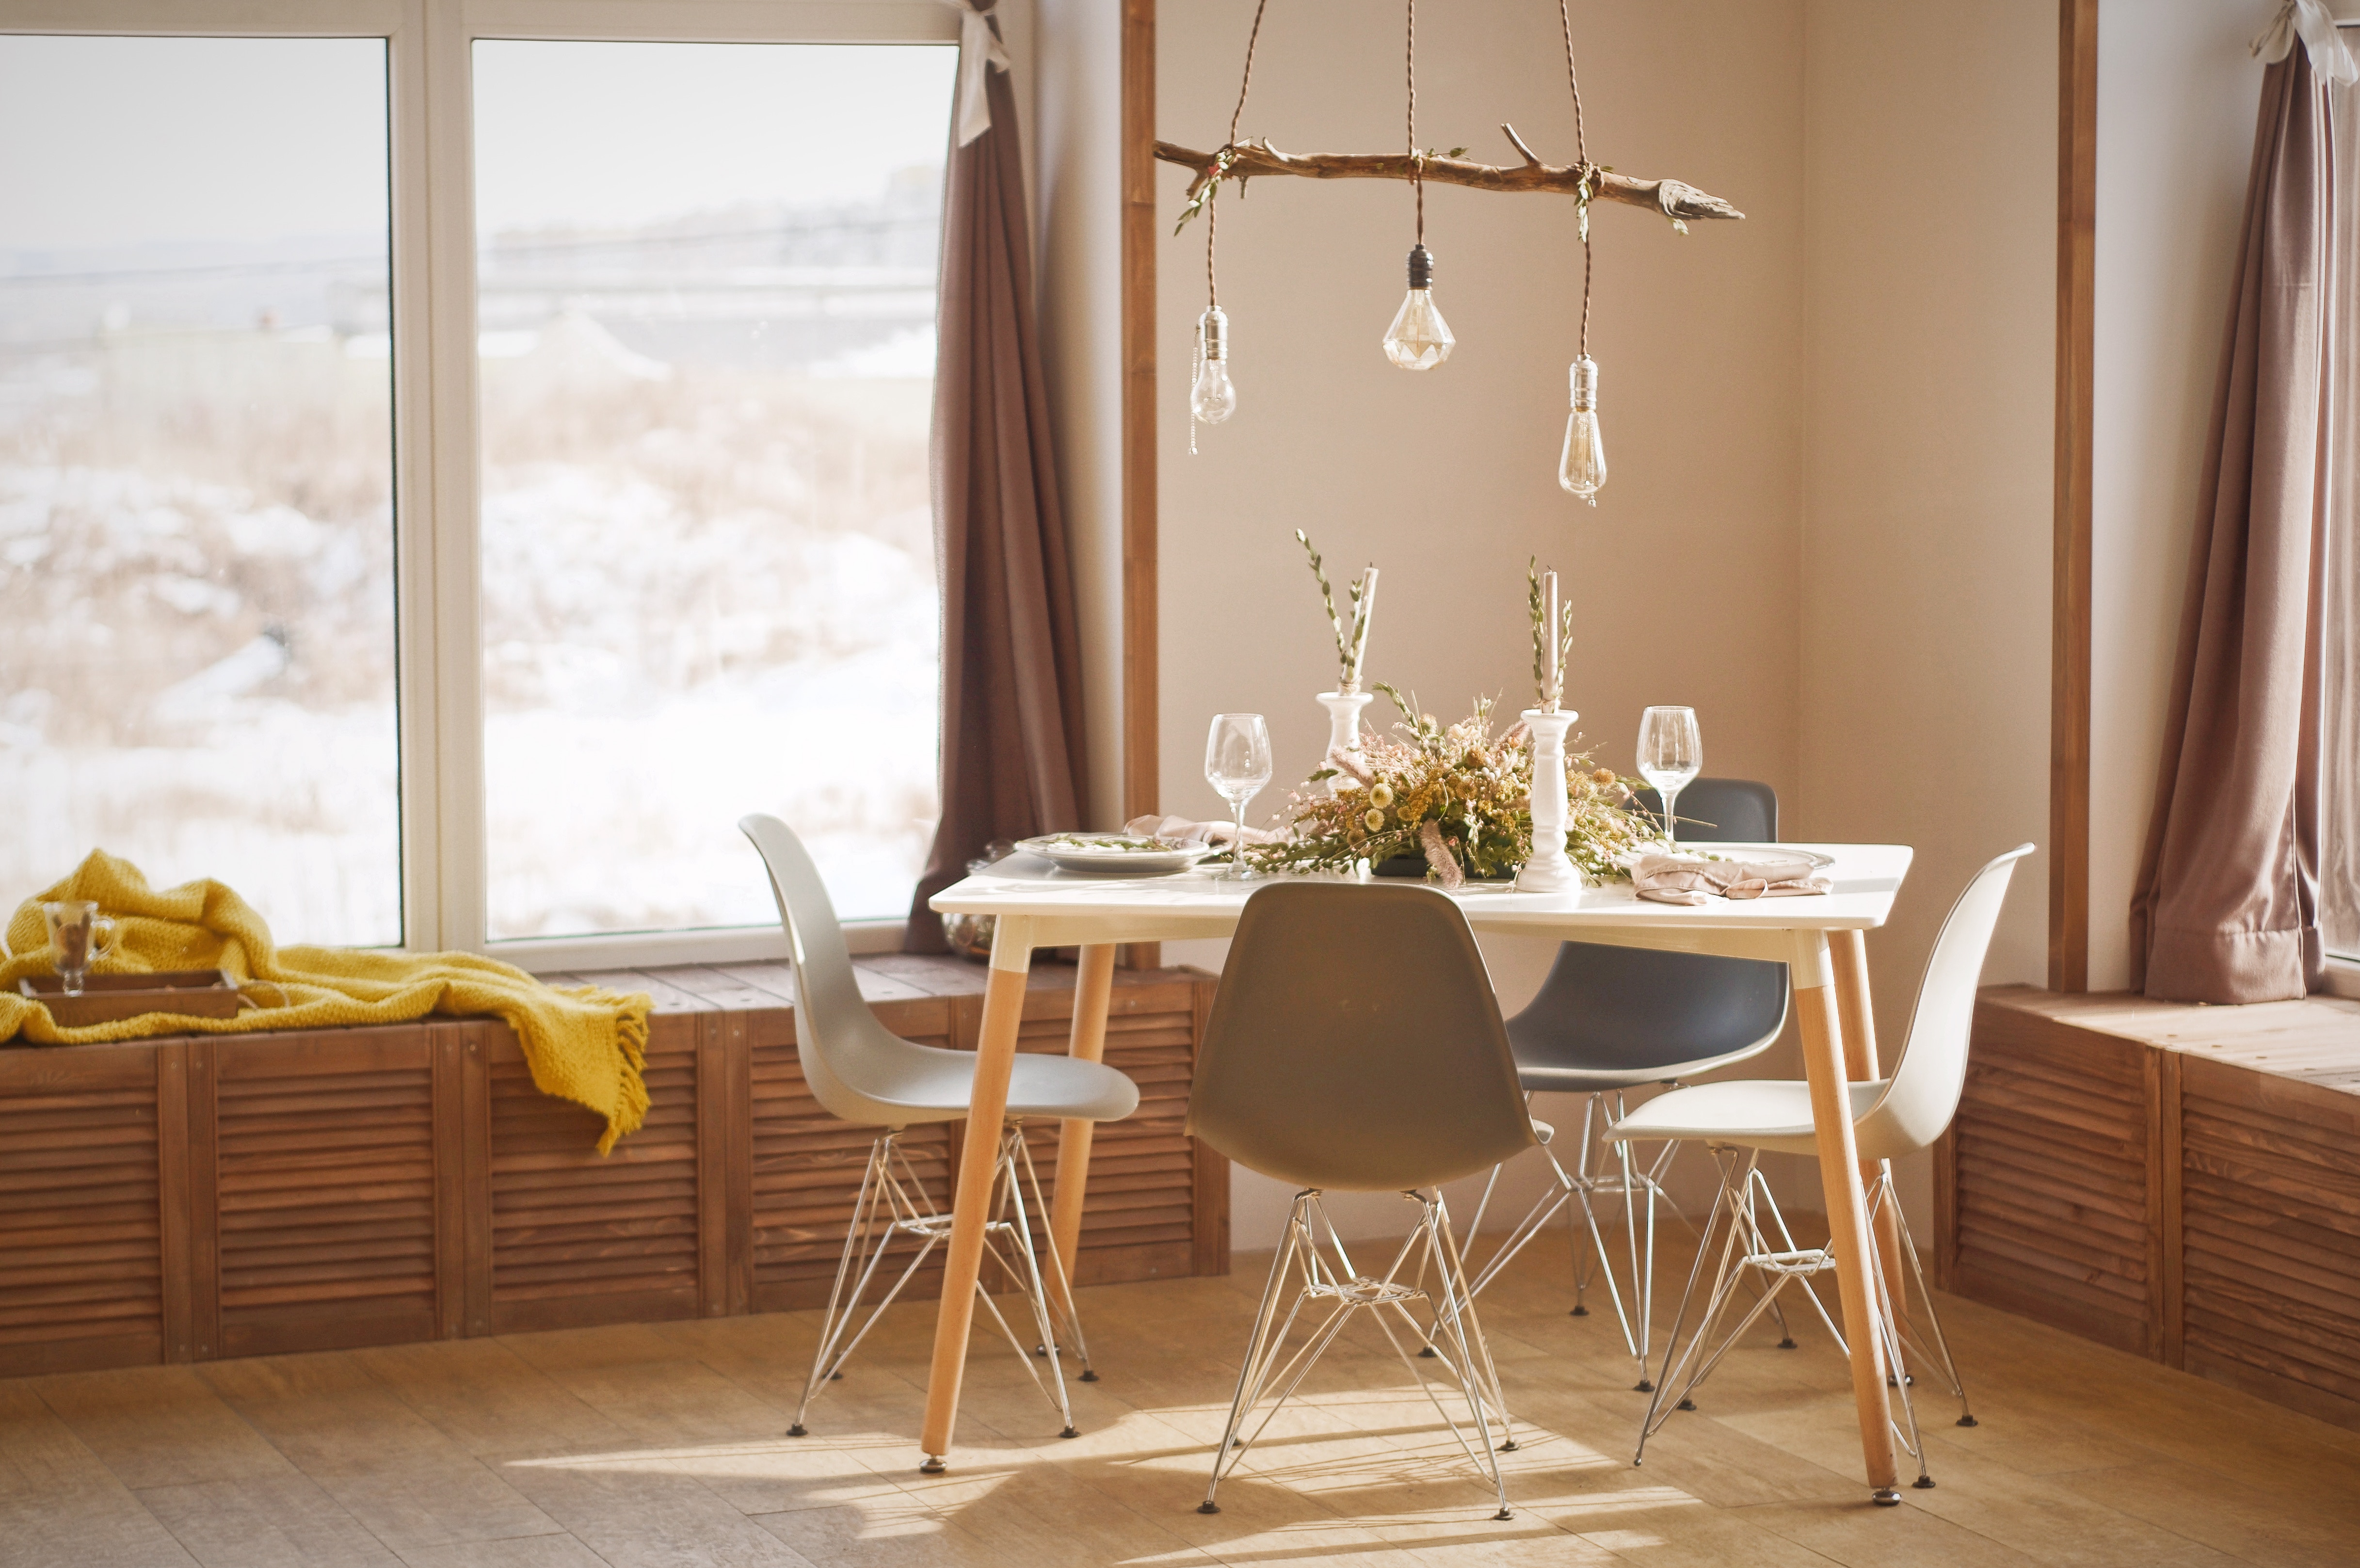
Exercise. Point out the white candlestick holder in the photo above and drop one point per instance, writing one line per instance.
(1550, 869)
(1344, 730)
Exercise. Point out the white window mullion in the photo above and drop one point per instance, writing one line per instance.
(414, 510)
(452, 615)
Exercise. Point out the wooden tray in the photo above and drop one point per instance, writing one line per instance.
(192, 993)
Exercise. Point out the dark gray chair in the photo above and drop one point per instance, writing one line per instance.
(1608, 1019)
(1355, 1044)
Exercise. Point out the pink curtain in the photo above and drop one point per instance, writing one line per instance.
(2226, 905)
(1012, 704)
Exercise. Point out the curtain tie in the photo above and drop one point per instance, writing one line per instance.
(980, 50)
(2329, 60)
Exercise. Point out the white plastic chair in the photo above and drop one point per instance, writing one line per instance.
(1611, 1019)
(1740, 1120)
(865, 1073)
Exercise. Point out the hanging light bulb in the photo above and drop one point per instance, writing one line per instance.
(1582, 467)
(1419, 338)
(1214, 398)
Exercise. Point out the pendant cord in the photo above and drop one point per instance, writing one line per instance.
(1416, 162)
(1220, 161)
(1581, 157)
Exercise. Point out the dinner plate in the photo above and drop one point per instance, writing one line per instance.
(1130, 855)
(1757, 851)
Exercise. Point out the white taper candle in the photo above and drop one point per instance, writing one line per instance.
(1362, 619)
(1555, 693)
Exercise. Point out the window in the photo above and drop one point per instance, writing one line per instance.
(196, 471)
(443, 542)
(707, 375)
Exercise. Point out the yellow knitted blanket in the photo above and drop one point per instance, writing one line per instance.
(586, 1045)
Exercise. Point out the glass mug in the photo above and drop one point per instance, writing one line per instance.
(79, 937)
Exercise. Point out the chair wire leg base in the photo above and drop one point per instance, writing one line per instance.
(1313, 1269)
(1752, 1247)
(1599, 1176)
(894, 1206)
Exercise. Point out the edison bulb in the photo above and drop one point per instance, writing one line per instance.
(1214, 398)
(1581, 468)
(1419, 338)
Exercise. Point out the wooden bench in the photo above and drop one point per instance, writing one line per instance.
(2181, 1182)
(206, 1196)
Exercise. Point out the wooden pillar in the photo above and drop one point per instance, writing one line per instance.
(2068, 695)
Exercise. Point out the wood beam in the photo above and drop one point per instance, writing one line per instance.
(1673, 199)
(1141, 705)
(2068, 699)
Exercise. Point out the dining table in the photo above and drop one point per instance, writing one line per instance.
(1820, 937)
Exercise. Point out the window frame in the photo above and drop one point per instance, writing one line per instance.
(437, 468)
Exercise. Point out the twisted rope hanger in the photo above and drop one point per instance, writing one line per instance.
(1224, 156)
(1581, 161)
(1417, 160)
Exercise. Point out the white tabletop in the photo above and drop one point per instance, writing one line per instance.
(1060, 909)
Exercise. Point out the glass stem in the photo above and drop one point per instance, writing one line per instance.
(1671, 832)
(1238, 844)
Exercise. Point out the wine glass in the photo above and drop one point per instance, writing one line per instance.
(1671, 753)
(1237, 765)
(79, 937)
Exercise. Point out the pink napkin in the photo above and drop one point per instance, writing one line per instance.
(1691, 878)
(1193, 832)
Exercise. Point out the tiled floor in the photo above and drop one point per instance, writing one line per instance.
(661, 1444)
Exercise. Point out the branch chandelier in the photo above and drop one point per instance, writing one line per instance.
(1419, 339)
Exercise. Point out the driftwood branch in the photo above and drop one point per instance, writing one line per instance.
(1248, 159)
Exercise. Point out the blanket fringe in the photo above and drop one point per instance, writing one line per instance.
(631, 1035)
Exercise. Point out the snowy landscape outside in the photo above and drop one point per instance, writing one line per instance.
(706, 558)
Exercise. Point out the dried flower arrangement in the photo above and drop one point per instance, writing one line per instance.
(1457, 796)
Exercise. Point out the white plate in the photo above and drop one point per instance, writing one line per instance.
(1757, 851)
(1124, 854)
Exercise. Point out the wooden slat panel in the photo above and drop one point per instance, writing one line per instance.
(2270, 1200)
(325, 1191)
(172, 1195)
(805, 1167)
(1143, 1171)
(205, 1201)
(81, 1268)
(2246, 1185)
(449, 1090)
(2049, 1193)
(576, 1239)
(217, 1196)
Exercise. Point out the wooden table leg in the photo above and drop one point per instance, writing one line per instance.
(1093, 993)
(994, 1057)
(1823, 1064)
(1849, 950)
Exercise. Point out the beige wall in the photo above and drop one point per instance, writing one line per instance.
(2177, 94)
(1446, 480)
(1829, 517)
(1076, 149)
(1929, 151)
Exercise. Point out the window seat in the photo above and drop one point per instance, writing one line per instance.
(2178, 1181)
(216, 1196)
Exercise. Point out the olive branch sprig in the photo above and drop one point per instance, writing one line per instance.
(1205, 193)
(1349, 646)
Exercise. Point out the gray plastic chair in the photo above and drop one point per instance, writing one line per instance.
(1612, 1018)
(1355, 1044)
(865, 1073)
(1894, 1117)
